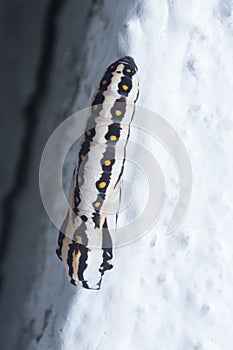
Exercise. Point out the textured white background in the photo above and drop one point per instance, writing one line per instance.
(165, 291)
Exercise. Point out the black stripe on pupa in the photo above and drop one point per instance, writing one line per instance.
(114, 131)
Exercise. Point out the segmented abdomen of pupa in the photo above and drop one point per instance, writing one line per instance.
(85, 243)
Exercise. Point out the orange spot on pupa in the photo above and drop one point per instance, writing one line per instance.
(79, 240)
(118, 113)
(107, 162)
(102, 184)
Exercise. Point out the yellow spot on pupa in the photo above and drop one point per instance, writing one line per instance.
(102, 184)
(88, 133)
(128, 70)
(118, 113)
(95, 107)
(107, 162)
(79, 240)
(97, 204)
(113, 137)
(125, 87)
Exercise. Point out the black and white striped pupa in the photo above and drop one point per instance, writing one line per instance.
(85, 243)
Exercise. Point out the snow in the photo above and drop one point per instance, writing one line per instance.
(165, 291)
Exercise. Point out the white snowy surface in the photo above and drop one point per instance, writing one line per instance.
(165, 291)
